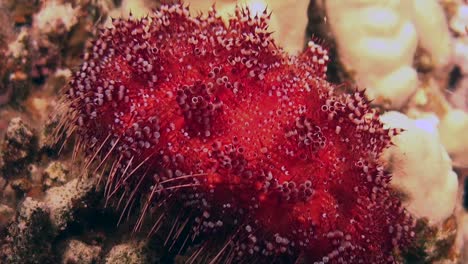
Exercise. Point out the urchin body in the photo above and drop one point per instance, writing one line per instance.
(255, 143)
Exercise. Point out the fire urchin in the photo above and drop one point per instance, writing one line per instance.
(252, 143)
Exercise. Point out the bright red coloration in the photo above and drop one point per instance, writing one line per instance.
(256, 142)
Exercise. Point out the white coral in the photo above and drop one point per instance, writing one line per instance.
(459, 21)
(459, 24)
(461, 54)
(55, 14)
(421, 167)
(377, 40)
(453, 130)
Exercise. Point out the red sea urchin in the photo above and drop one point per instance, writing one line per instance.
(254, 143)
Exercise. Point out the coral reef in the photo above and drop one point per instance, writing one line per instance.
(44, 218)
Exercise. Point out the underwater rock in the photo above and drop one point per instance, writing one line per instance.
(55, 15)
(8, 195)
(64, 201)
(15, 67)
(29, 237)
(435, 243)
(134, 252)
(6, 215)
(21, 184)
(55, 174)
(19, 141)
(77, 252)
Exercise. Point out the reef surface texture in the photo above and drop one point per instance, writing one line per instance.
(138, 132)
